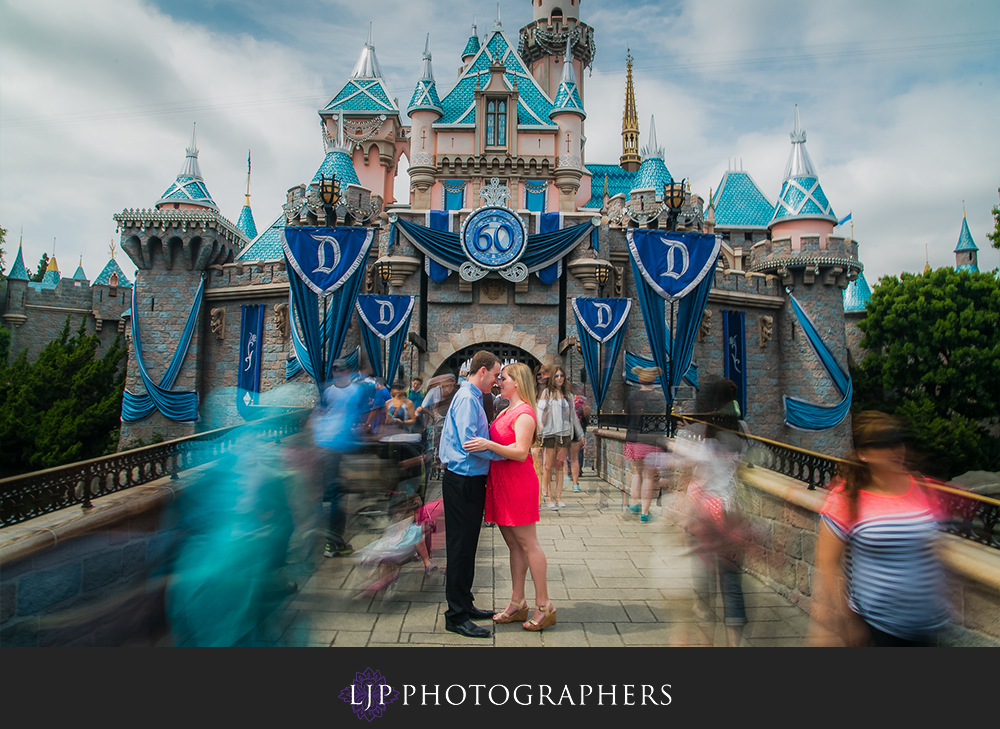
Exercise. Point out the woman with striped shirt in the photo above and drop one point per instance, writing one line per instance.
(881, 580)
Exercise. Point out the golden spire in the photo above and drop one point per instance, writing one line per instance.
(927, 261)
(630, 159)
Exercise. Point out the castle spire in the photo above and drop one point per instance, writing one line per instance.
(567, 95)
(18, 272)
(425, 95)
(630, 159)
(651, 149)
(367, 65)
(472, 47)
(190, 168)
(246, 222)
(801, 194)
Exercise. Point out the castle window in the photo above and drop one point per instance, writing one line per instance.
(534, 195)
(454, 194)
(496, 122)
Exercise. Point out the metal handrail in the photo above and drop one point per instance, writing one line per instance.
(33, 494)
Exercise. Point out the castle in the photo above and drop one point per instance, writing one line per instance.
(517, 114)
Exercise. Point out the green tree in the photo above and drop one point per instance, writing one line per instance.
(63, 407)
(933, 344)
(43, 263)
(3, 240)
(995, 235)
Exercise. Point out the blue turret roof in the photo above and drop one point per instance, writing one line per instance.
(267, 245)
(567, 95)
(533, 104)
(619, 181)
(425, 95)
(79, 275)
(857, 294)
(965, 242)
(104, 278)
(18, 272)
(801, 194)
(653, 172)
(472, 47)
(338, 162)
(365, 91)
(739, 203)
(245, 222)
(189, 187)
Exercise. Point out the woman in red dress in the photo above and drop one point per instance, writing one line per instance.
(512, 496)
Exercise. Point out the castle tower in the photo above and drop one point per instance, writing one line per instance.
(802, 207)
(17, 284)
(364, 119)
(966, 252)
(630, 159)
(543, 43)
(188, 191)
(425, 109)
(52, 275)
(79, 274)
(568, 113)
(173, 247)
(653, 173)
(816, 266)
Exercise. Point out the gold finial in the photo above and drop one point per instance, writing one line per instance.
(112, 248)
(605, 185)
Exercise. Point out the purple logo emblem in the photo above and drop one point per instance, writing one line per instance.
(369, 694)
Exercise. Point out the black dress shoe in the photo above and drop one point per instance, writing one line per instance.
(468, 629)
(477, 614)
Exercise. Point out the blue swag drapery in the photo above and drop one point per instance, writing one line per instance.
(802, 414)
(650, 263)
(373, 333)
(179, 405)
(590, 340)
(444, 251)
(633, 360)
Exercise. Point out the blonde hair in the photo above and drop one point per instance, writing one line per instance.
(523, 378)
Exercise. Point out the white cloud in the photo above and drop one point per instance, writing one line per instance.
(899, 100)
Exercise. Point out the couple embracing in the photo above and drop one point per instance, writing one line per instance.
(489, 469)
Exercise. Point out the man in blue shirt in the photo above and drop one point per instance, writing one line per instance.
(464, 488)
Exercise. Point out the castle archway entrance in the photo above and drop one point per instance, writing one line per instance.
(504, 352)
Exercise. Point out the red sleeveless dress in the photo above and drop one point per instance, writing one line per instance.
(511, 487)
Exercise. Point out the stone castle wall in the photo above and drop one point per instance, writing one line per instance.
(36, 317)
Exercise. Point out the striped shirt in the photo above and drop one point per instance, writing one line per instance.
(896, 582)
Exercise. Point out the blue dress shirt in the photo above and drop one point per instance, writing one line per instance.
(466, 419)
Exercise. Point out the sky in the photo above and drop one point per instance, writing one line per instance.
(898, 99)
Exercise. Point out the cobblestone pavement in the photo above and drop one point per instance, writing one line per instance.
(614, 581)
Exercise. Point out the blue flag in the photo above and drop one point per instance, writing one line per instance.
(735, 362)
(324, 258)
(251, 343)
(602, 318)
(673, 264)
(384, 315)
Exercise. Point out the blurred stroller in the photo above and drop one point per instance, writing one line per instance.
(409, 540)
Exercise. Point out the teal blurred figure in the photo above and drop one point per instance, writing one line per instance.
(229, 575)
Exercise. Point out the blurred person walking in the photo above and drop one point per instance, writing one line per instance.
(880, 578)
(335, 427)
(542, 373)
(715, 520)
(463, 485)
(640, 444)
(512, 497)
(555, 414)
(582, 410)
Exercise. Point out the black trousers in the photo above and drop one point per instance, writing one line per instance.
(464, 504)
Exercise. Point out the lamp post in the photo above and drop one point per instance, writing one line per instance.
(674, 195)
(384, 270)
